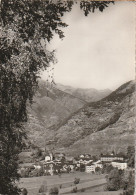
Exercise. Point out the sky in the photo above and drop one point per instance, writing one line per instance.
(98, 51)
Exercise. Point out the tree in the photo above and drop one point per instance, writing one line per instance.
(27, 26)
(113, 180)
(82, 167)
(24, 192)
(76, 181)
(128, 183)
(131, 156)
(107, 168)
(130, 151)
(98, 170)
(43, 187)
(54, 191)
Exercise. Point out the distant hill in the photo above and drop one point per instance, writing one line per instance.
(89, 95)
(52, 107)
(102, 126)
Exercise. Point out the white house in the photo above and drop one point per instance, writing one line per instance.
(111, 157)
(48, 157)
(90, 168)
(119, 164)
(81, 156)
(49, 167)
(98, 164)
(37, 166)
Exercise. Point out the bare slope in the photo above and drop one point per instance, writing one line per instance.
(101, 126)
(50, 108)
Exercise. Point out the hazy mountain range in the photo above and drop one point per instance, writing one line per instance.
(62, 120)
(89, 95)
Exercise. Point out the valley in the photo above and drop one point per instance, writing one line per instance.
(102, 126)
(52, 108)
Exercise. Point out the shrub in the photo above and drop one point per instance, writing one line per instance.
(77, 180)
(37, 172)
(24, 172)
(60, 186)
(82, 168)
(40, 172)
(54, 191)
(43, 188)
(113, 180)
(24, 191)
(74, 190)
(98, 170)
(128, 183)
(82, 190)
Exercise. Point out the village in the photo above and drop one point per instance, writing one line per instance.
(83, 174)
(59, 163)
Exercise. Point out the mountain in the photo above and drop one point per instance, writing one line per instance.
(102, 126)
(52, 107)
(89, 95)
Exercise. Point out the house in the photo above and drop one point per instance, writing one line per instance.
(111, 157)
(98, 164)
(59, 156)
(83, 159)
(90, 168)
(81, 156)
(119, 164)
(49, 168)
(85, 156)
(48, 157)
(70, 159)
(37, 166)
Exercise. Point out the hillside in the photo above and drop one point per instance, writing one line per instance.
(51, 109)
(100, 126)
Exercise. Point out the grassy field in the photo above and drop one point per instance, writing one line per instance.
(66, 180)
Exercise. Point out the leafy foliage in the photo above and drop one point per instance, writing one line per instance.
(24, 192)
(131, 156)
(128, 183)
(88, 6)
(76, 180)
(121, 179)
(107, 168)
(43, 188)
(114, 179)
(74, 190)
(98, 170)
(54, 191)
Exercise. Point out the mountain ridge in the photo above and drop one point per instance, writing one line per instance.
(97, 117)
(88, 94)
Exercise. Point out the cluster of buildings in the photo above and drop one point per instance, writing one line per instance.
(117, 161)
(60, 163)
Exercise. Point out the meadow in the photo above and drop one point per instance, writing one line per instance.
(65, 183)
